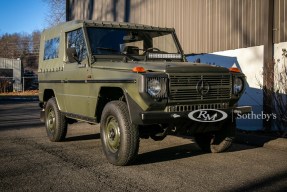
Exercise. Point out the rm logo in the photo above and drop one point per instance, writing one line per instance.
(207, 115)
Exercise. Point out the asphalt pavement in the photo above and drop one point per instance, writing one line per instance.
(30, 162)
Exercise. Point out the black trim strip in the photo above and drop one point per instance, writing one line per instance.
(51, 81)
(113, 81)
(80, 117)
(90, 81)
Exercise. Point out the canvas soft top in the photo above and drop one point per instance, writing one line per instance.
(93, 23)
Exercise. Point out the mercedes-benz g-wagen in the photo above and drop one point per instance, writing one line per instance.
(136, 82)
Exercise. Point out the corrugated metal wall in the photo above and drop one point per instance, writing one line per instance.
(201, 25)
(207, 25)
(280, 21)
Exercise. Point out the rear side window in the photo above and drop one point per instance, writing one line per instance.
(51, 50)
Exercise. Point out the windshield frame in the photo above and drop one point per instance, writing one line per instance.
(119, 54)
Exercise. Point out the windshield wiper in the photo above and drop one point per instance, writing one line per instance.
(107, 49)
(122, 53)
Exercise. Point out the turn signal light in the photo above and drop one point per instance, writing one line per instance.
(139, 69)
(234, 69)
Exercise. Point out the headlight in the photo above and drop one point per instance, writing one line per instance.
(153, 87)
(237, 85)
(156, 87)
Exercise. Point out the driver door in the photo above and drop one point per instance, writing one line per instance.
(77, 71)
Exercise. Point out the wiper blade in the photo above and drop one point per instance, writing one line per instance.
(129, 56)
(122, 53)
(107, 49)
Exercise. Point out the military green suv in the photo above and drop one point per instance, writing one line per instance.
(136, 82)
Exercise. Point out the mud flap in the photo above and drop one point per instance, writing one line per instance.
(42, 115)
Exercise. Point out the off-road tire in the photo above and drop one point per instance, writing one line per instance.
(120, 138)
(214, 143)
(218, 141)
(221, 145)
(203, 141)
(55, 121)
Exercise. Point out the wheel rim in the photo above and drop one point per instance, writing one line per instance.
(51, 120)
(112, 134)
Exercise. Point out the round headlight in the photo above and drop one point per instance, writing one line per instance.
(153, 87)
(237, 85)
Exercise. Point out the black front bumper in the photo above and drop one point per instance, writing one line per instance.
(159, 117)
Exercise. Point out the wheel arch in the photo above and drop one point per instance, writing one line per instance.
(48, 93)
(108, 94)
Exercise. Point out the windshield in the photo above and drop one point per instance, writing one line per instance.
(107, 41)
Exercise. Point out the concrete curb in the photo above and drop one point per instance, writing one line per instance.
(19, 98)
(261, 141)
(280, 143)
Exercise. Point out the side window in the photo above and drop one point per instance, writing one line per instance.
(76, 40)
(51, 50)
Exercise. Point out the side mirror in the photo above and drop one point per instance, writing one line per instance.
(72, 55)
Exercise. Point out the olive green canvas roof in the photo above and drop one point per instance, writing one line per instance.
(93, 23)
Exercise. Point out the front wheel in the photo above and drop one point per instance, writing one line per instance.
(214, 143)
(55, 121)
(219, 141)
(120, 138)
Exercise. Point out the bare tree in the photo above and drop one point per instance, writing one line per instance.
(36, 35)
(23, 46)
(278, 93)
(57, 12)
(10, 46)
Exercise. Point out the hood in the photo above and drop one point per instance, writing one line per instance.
(168, 67)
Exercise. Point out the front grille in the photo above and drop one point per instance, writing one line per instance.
(184, 87)
(183, 108)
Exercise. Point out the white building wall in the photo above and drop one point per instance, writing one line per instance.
(250, 61)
